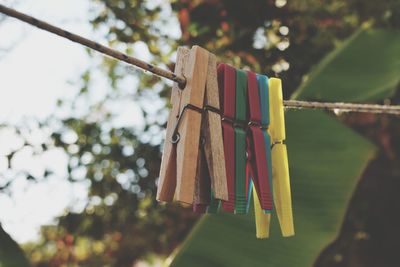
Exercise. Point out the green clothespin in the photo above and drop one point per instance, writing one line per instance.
(240, 143)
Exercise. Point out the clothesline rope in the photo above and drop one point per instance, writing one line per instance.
(289, 104)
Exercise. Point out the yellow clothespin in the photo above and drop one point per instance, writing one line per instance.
(280, 167)
(262, 219)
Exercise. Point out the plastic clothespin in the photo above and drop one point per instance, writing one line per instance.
(249, 175)
(227, 84)
(240, 143)
(181, 151)
(280, 167)
(262, 219)
(257, 146)
(214, 205)
(263, 89)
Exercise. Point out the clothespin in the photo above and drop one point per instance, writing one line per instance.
(212, 129)
(185, 167)
(263, 89)
(262, 219)
(280, 168)
(214, 205)
(211, 170)
(227, 84)
(257, 146)
(240, 143)
(168, 169)
(180, 157)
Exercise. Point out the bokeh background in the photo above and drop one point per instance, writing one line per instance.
(81, 134)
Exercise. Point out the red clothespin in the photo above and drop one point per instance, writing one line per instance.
(256, 145)
(227, 83)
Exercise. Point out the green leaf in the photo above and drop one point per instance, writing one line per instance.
(365, 68)
(11, 255)
(325, 157)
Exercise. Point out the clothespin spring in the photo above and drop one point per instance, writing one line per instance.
(245, 125)
(175, 136)
(242, 124)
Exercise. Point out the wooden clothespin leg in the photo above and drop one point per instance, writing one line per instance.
(188, 129)
(280, 167)
(212, 130)
(202, 191)
(180, 158)
(211, 158)
(167, 181)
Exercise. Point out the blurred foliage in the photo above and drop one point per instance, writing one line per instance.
(118, 163)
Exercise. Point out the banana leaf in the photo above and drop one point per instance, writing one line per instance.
(326, 159)
(11, 255)
(365, 68)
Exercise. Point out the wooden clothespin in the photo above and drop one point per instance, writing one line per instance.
(185, 167)
(280, 167)
(180, 157)
(168, 169)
